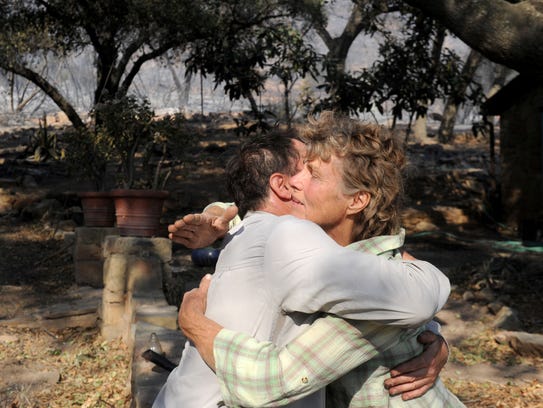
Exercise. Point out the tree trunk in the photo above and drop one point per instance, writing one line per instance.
(182, 89)
(508, 33)
(185, 95)
(254, 105)
(338, 47)
(419, 129)
(107, 80)
(286, 96)
(446, 128)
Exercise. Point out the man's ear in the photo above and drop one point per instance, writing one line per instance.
(359, 201)
(279, 185)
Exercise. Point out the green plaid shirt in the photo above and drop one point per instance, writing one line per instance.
(353, 357)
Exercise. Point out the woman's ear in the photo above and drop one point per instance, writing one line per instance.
(279, 185)
(359, 201)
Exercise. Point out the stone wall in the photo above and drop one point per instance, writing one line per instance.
(134, 306)
(142, 288)
(88, 256)
(133, 275)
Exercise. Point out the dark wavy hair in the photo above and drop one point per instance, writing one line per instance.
(373, 161)
(248, 172)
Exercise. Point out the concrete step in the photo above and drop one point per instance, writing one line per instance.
(147, 378)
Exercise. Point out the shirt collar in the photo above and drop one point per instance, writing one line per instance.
(380, 245)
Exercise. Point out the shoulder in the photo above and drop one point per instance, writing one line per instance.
(288, 224)
(290, 231)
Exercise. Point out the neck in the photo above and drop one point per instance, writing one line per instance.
(342, 233)
(275, 206)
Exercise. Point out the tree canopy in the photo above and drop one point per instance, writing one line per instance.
(232, 39)
(124, 34)
(243, 42)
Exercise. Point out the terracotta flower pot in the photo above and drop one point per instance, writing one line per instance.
(98, 208)
(138, 212)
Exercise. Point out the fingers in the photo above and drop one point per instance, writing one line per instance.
(408, 395)
(193, 219)
(230, 213)
(186, 222)
(172, 228)
(414, 377)
(204, 284)
(184, 237)
(194, 303)
(415, 384)
(407, 379)
(411, 390)
(187, 230)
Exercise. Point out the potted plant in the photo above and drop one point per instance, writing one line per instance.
(127, 155)
(88, 155)
(98, 208)
(140, 145)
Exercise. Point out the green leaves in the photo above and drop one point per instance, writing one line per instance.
(412, 71)
(246, 42)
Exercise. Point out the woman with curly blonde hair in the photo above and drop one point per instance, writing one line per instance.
(371, 161)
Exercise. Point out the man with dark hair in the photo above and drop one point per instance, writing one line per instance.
(248, 177)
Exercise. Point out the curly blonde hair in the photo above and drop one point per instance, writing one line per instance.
(373, 161)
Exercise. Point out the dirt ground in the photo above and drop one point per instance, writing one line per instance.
(449, 220)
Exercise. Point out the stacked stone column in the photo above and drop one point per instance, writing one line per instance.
(133, 275)
(88, 257)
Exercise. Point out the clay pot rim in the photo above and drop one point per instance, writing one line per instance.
(139, 193)
(92, 194)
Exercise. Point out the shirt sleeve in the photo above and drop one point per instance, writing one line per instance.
(233, 222)
(309, 272)
(259, 373)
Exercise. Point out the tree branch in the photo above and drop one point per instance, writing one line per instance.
(49, 90)
(142, 60)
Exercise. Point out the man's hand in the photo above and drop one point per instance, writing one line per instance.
(416, 376)
(201, 230)
(196, 327)
(193, 307)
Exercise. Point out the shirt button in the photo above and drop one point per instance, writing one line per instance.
(305, 380)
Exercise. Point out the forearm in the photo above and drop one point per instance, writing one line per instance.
(406, 294)
(323, 276)
(267, 375)
(202, 333)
